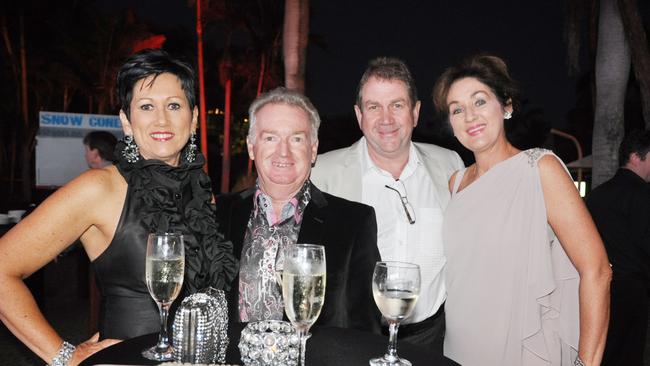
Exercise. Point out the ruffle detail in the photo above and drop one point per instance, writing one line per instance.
(553, 294)
(157, 188)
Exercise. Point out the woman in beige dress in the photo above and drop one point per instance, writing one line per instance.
(527, 273)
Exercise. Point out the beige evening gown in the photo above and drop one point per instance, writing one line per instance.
(512, 291)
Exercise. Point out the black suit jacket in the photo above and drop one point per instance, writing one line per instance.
(347, 229)
(621, 210)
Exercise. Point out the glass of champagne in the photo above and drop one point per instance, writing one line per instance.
(164, 269)
(303, 288)
(395, 287)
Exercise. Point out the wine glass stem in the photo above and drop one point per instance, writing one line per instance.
(163, 340)
(392, 340)
(304, 335)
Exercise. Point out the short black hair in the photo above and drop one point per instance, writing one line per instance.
(102, 141)
(635, 142)
(154, 62)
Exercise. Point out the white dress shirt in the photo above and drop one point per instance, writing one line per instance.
(397, 239)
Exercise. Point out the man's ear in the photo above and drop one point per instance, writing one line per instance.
(249, 147)
(359, 114)
(416, 113)
(314, 152)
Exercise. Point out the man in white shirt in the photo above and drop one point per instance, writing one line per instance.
(406, 183)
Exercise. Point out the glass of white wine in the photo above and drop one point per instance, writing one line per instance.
(395, 287)
(303, 288)
(164, 269)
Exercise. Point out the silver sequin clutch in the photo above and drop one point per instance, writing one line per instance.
(200, 328)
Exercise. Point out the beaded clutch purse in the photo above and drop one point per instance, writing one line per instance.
(200, 328)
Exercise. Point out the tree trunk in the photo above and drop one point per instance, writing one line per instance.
(294, 46)
(225, 167)
(260, 88)
(639, 49)
(26, 166)
(203, 117)
(612, 72)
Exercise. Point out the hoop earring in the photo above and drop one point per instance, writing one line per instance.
(131, 151)
(507, 115)
(190, 154)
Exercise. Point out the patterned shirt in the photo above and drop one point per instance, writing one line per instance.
(260, 296)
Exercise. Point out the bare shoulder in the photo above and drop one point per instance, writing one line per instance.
(550, 166)
(95, 183)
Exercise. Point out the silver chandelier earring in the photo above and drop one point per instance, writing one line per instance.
(131, 151)
(507, 115)
(190, 155)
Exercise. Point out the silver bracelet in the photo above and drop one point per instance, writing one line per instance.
(65, 354)
(578, 362)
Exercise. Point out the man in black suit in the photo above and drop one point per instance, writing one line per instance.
(621, 210)
(285, 208)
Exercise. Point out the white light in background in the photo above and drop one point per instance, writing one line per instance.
(582, 187)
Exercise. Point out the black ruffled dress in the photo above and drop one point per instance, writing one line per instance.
(160, 198)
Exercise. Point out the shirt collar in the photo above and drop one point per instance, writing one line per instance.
(292, 208)
(368, 166)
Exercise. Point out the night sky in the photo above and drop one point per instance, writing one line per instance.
(429, 35)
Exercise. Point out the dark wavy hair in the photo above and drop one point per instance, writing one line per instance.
(154, 62)
(489, 70)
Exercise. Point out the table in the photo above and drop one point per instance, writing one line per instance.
(327, 346)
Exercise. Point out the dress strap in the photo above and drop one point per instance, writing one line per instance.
(458, 177)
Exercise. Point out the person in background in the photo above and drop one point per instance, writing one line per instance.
(284, 208)
(527, 273)
(157, 185)
(405, 182)
(621, 209)
(99, 149)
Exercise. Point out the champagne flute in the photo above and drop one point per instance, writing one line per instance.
(164, 269)
(395, 287)
(303, 288)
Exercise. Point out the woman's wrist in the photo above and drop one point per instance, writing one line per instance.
(64, 355)
(578, 362)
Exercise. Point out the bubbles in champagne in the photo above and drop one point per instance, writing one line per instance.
(304, 296)
(165, 277)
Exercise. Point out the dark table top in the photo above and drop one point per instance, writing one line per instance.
(327, 346)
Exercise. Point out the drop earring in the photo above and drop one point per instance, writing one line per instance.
(190, 154)
(131, 151)
(507, 115)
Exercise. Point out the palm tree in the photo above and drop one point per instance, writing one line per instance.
(295, 38)
(58, 53)
(620, 44)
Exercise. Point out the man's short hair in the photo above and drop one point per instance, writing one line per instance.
(102, 141)
(282, 95)
(635, 142)
(388, 68)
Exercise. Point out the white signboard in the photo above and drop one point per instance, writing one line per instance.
(59, 146)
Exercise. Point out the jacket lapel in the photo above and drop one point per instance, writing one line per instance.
(313, 219)
(241, 212)
(437, 175)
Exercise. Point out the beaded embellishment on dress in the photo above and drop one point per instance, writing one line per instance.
(534, 154)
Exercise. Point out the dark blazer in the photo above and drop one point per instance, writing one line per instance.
(348, 230)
